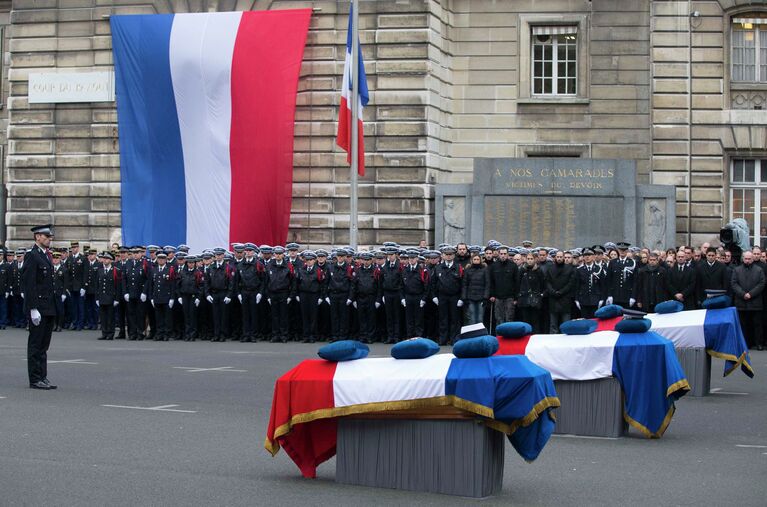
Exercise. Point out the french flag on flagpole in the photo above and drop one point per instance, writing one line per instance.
(344, 137)
(205, 106)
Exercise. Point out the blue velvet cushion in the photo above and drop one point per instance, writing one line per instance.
(514, 329)
(670, 306)
(415, 348)
(633, 326)
(481, 346)
(578, 326)
(609, 311)
(717, 302)
(344, 350)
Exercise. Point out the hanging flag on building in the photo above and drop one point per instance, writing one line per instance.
(344, 137)
(205, 109)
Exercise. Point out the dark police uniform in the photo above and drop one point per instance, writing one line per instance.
(446, 286)
(76, 267)
(620, 281)
(415, 292)
(367, 292)
(108, 292)
(589, 290)
(279, 287)
(218, 285)
(37, 286)
(90, 279)
(17, 301)
(5, 276)
(248, 284)
(310, 288)
(340, 293)
(190, 293)
(60, 284)
(161, 289)
(391, 285)
(134, 284)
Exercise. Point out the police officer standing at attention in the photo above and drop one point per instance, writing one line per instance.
(620, 278)
(391, 284)
(446, 285)
(108, 295)
(248, 285)
(39, 306)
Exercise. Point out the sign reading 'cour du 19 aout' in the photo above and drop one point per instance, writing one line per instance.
(68, 87)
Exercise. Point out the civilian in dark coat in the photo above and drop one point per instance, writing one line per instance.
(747, 285)
(711, 274)
(560, 286)
(39, 306)
(681, 280)
(502, 286)
(650, 285)
(530, 295)
(474, 289)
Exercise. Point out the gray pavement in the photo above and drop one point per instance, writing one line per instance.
(66, 447)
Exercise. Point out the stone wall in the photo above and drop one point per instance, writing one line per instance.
(63, 162)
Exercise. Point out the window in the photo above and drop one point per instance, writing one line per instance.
(748, 195)
(554, 58)
(749, 49)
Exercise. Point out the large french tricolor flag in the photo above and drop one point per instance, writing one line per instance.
(205, 106)
(344, 137)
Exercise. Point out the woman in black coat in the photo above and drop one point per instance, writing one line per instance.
(474, 289)
(530, 297)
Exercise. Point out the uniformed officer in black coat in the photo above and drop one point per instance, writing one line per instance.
(17, 292)
(294, 308)
(619, 286)
(91, 269)
(391, 285)
(75, 266)
(415, 293)
(323, 311)
(108, 294)
(446, 286)
(218, 292)
(161, 289)
(340, 294)
(39, 306)
(680, 283)
(135, 275)
(121, 262)
(367, 296)
(310, 294)
(190, 294)
(248, 286)
(60, 284)
(590, 280)
(279, 291)
(5, 275)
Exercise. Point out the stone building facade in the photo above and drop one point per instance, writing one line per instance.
(450, 80)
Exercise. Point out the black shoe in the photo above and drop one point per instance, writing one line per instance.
(120, 337)
(48, 383)
(102, 338)
(40, 385)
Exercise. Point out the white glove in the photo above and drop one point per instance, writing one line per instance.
(348, 302)
(383, 299)
(97, 303)
(143, 297)
(63, 297)
(209, 299)
(181, 301)
(632, 301)
(377, 305)
(22, 295)
(152, 301)
(126, 297)
(11, 293)
(269, 300)
(115, 303)
(327, 300)
(422, 303)
(289, 300)
(403, 302)
(82, 292)
(239, 298)
(578, 304)
(196, 302)
(258, 298)
(435, 301)
(319, 301)
(35, 315)
(600, 304)
(170, 303)
(354, 304)
(6, 294)
(228, 300)
(609, 300)
(459, 303)
(298, 299)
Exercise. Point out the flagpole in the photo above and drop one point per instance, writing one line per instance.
(355, 132)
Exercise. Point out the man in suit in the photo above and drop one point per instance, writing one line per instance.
(710, 274)
(681, 282)
(39, 306)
